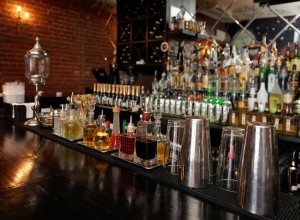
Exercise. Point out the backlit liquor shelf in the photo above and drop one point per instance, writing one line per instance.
(289, 203)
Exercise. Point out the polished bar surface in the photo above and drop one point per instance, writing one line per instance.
(42, 179)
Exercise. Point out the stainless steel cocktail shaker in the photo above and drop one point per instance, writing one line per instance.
(258, 190)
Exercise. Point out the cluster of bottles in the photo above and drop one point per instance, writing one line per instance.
(124, 96)
(294, 173)
(66, 122)
(214, 89)
(146, 146)
(99, 135)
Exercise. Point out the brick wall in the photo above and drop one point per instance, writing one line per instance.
(74, 37)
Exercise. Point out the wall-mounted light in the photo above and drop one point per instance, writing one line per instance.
(20, 23)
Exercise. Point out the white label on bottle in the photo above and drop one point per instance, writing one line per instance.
(167, 106)
(288, 125)
(197, 108)
(264, 119)
(276, 123)
(233, 118)
(243, 119)
(162, 104)
(172, 107)
(294, 188)
(253, 119)
(178, 107)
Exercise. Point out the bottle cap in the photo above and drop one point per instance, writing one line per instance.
(116, 109)
(130, 126)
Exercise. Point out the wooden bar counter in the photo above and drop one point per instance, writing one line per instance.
(42, 178)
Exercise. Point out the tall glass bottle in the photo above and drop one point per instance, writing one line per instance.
(72, 129)
(294, 80)
(262, 96)
(234, 115)
(254, 114)
(90, 130)
(115, 135)
(159, 137)
(275, 97)
(244, 114)
(252, 96)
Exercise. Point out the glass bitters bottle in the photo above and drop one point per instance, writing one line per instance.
(127, 142)
(101, 141)
(72, 125)
(90, 130)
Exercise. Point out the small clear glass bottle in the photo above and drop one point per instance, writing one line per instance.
(276, 119)
(289, 122)
(265, 115)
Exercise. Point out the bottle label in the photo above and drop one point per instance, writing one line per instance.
(178, 107)
(253, 118)
(264, 119)
(276, 123)
(167, 106)
(172, 107)
(288, 125)
(243, 119)
(233, 118)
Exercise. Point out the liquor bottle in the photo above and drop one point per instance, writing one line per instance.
(289, 122)
(271, 77)
(295, 59)
(127, 142)
(143, 98)
(276, 119)
(113, 95)
(252, 96)
(283, 77)
(293, 174)
(104, 94)
(242, 95)
(115, 135)
(288, 59)
(294, 80)
(297, 126)
(205, 78)
(72, 125)
(263, 72)
(296, 102)
(298, 177)
(262, 96)
(120, 96)
(199, 78)
(98, 94)
(108, 94)
(101, 141)
(90, 130)
(244, 114)
(254, 114)
(275, 97)
(116, 102)
(132, 102)
(226, 107)
(265, 115)
(234, 115)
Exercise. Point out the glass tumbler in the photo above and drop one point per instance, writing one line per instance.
(227, 174)
(174, 137)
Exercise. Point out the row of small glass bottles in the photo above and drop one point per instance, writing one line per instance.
(123, 96)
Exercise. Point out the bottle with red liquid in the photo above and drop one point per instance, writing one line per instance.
(115, 135)
(127, 142)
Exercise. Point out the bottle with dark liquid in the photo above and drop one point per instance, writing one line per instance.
(127, 142)
(146, 143)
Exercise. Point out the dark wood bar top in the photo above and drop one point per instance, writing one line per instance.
(42, 179)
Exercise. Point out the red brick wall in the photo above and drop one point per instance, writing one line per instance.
(73, 36)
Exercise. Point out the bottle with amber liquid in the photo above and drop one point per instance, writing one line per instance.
(276, 119)
(293, 174)
(289, 122)
(242, 95)
(265, 115)
(244, 114)
(90, 131)
(72, 129)
(101, 141)
(254, 114)
(234, 115)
